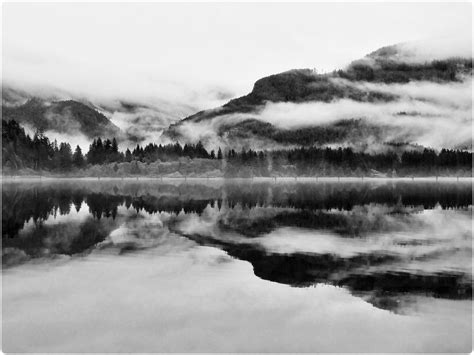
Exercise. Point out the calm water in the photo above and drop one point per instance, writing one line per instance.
(117, 266)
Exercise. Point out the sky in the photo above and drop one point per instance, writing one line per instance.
(202, 55)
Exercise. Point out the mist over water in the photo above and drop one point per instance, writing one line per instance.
(207, 266)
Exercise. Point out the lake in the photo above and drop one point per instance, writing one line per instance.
(236, 266)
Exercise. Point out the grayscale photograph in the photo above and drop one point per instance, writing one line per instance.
(237, 177)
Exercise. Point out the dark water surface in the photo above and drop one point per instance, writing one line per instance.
(149, 266)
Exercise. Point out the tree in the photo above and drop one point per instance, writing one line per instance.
(99, 155)
(201, 152)
(128, 156)
(219, 153)
(65, 156)
(114, 145)
(107, 146)
(78, 158)
(115, 152)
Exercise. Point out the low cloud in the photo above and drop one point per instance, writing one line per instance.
(76, 139)
(435, 114)
(436, 48)
(431, 114)
(141, 110)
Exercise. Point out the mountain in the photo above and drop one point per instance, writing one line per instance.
(84, 116)
(386, 97)
(69, 116)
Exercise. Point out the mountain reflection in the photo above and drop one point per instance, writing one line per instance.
(382, 241)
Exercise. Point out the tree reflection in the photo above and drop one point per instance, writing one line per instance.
(249, 211)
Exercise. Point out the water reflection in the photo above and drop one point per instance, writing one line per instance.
(385, 242)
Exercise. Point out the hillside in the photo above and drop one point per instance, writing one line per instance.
(302, 107)
(303, 85)
(68, 116)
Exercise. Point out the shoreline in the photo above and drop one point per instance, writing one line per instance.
(218, 178)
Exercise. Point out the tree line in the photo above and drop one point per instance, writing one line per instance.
(315, 161)
(39, 153)
(40, 203)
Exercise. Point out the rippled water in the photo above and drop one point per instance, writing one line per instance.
(210, 266)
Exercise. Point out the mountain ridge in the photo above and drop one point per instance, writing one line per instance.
(380, 68)
(65, 116)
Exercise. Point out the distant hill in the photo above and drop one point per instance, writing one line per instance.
(67, 116)
(363, 81)
(66, 111)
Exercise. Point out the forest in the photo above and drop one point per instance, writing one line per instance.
(38, 153)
